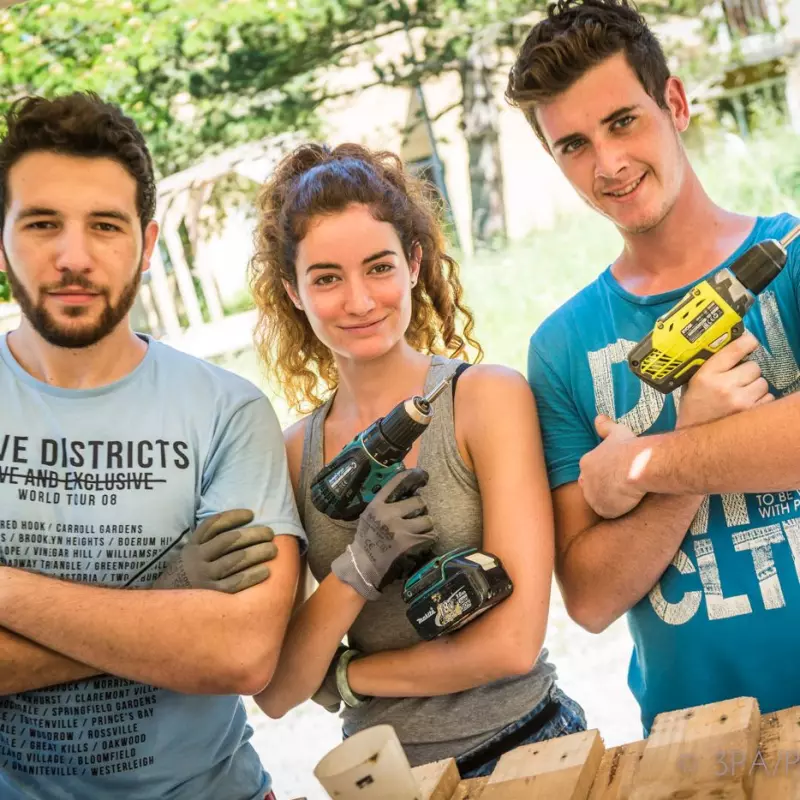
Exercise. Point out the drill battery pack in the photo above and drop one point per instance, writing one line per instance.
(453, 589)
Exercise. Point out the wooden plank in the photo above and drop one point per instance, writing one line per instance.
(557, 769)
(617, 770)
(470, 789)
(776, 768)
(437, 781)
(683, 752)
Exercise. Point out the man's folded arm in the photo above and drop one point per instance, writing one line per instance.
(195, 641)
(26, 665)
(192, 641)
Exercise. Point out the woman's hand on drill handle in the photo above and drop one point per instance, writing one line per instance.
(395, 523)
(726, 384)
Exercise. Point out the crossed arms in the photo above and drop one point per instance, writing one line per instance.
(619, 526)
(194, 640)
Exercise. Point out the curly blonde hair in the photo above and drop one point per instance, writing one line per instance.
(314, 180)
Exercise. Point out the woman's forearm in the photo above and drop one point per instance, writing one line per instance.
(474, 656)
(315, 631)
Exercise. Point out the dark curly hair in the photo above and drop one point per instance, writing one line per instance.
(575, 36)
(315, 180)
(78, 124)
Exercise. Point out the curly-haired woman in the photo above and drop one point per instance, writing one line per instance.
(357, 296)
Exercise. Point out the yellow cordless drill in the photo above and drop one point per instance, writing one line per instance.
(707, 318)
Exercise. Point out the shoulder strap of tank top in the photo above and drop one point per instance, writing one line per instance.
(440, 441)
(459, 369)
(312, 445)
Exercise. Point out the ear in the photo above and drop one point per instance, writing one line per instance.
(3, 263)
(149, 241)
(677, 103)
(415, 262)
(293, 296)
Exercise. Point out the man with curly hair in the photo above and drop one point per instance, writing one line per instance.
(127, 470)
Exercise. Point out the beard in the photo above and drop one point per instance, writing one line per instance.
(78, 336)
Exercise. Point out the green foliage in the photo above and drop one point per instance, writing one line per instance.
(757, 176)
(203, 75)
(198, 76)
(5, 290)
(240, 302)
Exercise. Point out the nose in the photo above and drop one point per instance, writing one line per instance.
(610, 160)
(73, 250)
(358, 299)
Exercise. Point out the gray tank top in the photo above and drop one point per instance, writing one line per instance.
(430, 728)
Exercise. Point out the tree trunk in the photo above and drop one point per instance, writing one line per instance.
(481, 129)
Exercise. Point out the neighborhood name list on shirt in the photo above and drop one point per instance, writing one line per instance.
(91, 727)
(98, 726)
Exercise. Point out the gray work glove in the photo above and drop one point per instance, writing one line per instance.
(222, 554)
(328, 693)
(394, 524)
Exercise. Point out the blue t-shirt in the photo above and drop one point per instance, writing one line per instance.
(96, 486)
(722, 620)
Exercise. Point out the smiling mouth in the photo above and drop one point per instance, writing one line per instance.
(362, 327)
(628, 189)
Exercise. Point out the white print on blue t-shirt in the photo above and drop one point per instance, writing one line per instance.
(780, 369)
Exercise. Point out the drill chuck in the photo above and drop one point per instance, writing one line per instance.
(389, 440)
(760, 265)
(343, 488)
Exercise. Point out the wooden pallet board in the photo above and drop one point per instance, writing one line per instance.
(437, 781)
(686, 748)
(563, 767)
(470, 789)
(776, 768)
(720, 751)
(618, 768)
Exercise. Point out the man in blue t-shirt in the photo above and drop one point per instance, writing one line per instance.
(706, 565)
(127, 470)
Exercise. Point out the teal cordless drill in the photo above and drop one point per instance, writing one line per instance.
(344, 487)
(443, 593)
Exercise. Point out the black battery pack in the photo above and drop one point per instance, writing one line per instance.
(452, 589)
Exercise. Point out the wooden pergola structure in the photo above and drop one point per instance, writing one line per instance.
(182, 200)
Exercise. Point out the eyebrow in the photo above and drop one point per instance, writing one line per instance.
(367, 260)
(40, 211)
(612, 117)
(620, 112)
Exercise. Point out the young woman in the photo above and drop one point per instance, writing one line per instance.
(353, 285)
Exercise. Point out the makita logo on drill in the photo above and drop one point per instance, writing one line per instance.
(426, 615)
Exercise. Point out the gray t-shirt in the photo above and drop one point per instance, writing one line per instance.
(97, 486)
